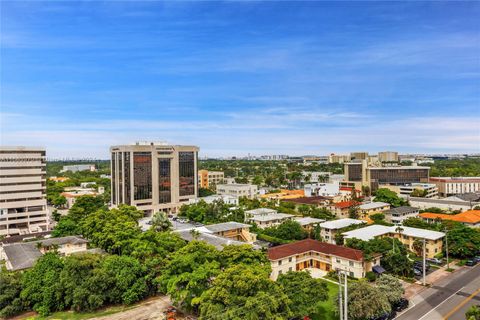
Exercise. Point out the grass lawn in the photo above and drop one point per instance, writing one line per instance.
(70, 315)
(327, 310)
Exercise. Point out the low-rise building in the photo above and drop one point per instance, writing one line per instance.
(322, 189)
(269, 220)
(448, 186)
(329, 229)
(209, 179)
(216, 197)
(444, 204)
(73, 193)
(367, 209)
(284, 194)
(58, 179)
(406, 235)
(342, 209)
(469, 218)
(398, 215)
(79, 167)
(315, 176)
(429, 190)
(23, 255)
(309, 223)
(238, 190)
(318, 258)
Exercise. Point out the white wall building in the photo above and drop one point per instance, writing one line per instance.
(329, 229)
(78, 167)
(238, 190)
(23, 204)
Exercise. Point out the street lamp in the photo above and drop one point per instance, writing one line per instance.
(446, 244)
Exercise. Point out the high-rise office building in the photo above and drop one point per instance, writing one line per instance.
(23, 204)
(154, 176)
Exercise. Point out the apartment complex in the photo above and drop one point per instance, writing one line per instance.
(329, 229)
(359, 173)
(209, 179)
(238, 190)
(23, 205)
(448, 186)
(367, 209)
(429, 190)
(319, 258)
(398, 215)
(154, 176)
(406, 235)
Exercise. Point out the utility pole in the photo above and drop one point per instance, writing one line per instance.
(424, 282)
(340, 299)
(345, 305)
(446, 244)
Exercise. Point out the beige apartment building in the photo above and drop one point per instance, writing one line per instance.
(388, 156)
(209, 179)
(448, 186)
(154, 176)
(23, 204)
(238, 190)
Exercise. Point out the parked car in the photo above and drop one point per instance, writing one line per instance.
(386, 316)
(419, 265)
(434, 260)
(174, 218)
(400, 305)
(417, 272)
(477, 259)
(470, 263)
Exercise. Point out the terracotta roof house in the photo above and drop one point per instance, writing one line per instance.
(469, 218)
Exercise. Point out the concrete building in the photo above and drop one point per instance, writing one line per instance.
(388, 156)
(361, 174)
(308, 223)
(336, 158)
(23, 255)
(406, 235)
(311, 160)
(329, 229)
(73, 193)
(367, 209)
(448, 186)
(269, 220)
(238, 190)
(23, 204)
(79, 167)
(209, 179)
(444, 204)
(359, 155)
(322, 189)
(318, 258)
(216, 197)
(315, 176)
(341, 209)
(469, 218)
(398, 215)
(154, 176)
(429, 189)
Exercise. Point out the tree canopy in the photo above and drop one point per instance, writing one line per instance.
(388, 196)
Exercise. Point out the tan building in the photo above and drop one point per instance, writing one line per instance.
(406, 235)
(154, 176)
(23, 204)
(359, 173)
(388, 156)
(337, 158)
(367, 209)
(238, 190)
(359, 155)
(429, 190)
(318, 258)
(209, 179)
(448, 186)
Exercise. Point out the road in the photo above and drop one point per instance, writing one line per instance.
(448, 299)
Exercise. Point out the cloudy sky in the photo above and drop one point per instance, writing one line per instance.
(241, 77)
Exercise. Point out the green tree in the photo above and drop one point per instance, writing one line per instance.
(366, 301)
(388, 196)
(473, 313)
(305, 293)
(244, 292)
(244, 254)
(10, 288)
(463, 241)
(203, 192)
(391, 287)
(287, 230)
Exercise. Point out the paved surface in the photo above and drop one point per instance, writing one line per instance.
(449, 298)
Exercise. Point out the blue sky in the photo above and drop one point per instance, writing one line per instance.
(241, 77)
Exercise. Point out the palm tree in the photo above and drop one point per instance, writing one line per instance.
(160, 222)
(399, 230)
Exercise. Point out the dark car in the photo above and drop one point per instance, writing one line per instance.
(470, 263)
(386, 316)
(400, 305)
(417, 272)
(477, 259)
(419, 265)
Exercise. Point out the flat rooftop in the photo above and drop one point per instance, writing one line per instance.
(373, 231)
(340, 223)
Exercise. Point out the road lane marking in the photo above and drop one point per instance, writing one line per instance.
(461, 304)
(438, 305)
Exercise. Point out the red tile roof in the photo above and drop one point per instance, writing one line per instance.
(307, 245)
(346, 204)
(470, 216)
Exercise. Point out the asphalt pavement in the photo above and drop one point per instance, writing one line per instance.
(448, 299)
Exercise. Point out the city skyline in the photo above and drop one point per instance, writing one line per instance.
(239, 78)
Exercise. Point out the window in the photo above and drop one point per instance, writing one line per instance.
(164, 182)
(290, 259)
(280, 262)
(142, 180)
(351, 263)
(279, 272)
(352, 274)
(290, 269)
(114, 173)
(338, 260)
(126, 174)
(187, 173)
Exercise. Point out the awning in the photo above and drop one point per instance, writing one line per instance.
(378, 269)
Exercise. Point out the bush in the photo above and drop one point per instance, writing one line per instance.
(371, 276)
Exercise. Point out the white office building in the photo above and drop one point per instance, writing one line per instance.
(23, 204)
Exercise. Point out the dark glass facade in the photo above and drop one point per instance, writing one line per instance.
(355, 172)
(142, 182)
(127, 179)
(397, 176)
(120, 177)
(164, 181)
(187, 173)
(114, 173)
